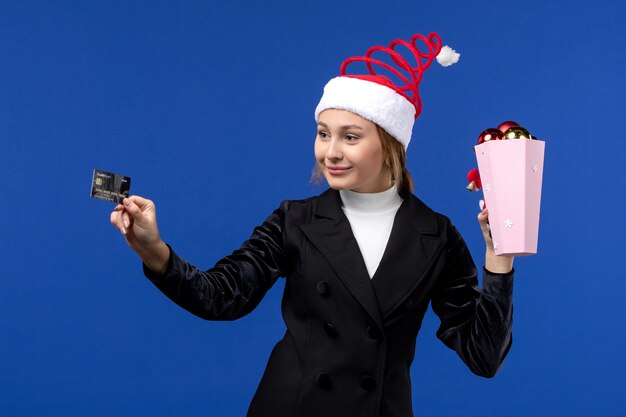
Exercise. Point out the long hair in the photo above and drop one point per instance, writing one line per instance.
(394, 158)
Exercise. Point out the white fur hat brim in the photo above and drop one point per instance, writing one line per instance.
(372, 101)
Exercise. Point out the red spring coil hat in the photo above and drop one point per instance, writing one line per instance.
(394, 106)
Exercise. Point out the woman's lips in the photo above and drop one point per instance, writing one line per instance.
(337, 170)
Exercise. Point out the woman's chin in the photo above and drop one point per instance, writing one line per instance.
(338, 185)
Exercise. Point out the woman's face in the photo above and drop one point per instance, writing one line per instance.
(349, 153)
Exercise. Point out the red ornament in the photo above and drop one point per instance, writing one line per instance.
(474, 180)
(504, 126)
(490, 134)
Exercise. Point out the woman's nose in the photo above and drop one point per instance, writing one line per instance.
(333, 152)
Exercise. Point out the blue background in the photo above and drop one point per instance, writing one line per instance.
(208, 106)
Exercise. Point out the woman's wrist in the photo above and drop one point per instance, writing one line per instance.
(156, 257)
(500, 264)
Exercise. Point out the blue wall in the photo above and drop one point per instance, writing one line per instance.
(208, 106)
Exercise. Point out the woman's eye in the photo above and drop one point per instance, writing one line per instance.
(322, 135)
(351, 138)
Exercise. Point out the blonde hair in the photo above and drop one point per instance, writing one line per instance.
(394, 156)
(394, 159)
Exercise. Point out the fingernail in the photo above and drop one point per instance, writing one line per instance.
(126, 201)
(123, 230)
(126, 224)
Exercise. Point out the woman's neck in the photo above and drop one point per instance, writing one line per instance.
(371, 203)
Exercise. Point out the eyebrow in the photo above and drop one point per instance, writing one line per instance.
(345, 127)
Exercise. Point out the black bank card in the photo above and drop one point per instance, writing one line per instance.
(108, 186)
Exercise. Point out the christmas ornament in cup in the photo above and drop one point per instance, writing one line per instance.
(516, 132)
(490, 134)
(504, 126)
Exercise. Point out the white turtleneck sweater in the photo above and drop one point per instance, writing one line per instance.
(371, 219)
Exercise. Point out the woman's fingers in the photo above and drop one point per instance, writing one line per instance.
(116, 220)
(136, 220)
(483, 217)
(133, 210)
(483, 220)
(123, 214)
(125, 219)
(142, 203)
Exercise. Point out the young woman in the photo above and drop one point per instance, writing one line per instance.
(361, 261)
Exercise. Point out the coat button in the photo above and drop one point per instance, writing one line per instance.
(323, 289)
(368, 383)
(330, 330)
(374, 333)
(322, 380)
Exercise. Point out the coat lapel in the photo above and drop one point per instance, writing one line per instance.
(332, 235)
(413, 245)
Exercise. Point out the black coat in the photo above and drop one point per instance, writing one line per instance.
(350, 340)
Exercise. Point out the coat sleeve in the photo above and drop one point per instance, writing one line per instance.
(475, 323)
(237, 283)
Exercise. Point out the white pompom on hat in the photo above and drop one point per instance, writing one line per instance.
(375, 97)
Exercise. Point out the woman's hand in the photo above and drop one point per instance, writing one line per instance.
(136, 220)
(494, 263)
